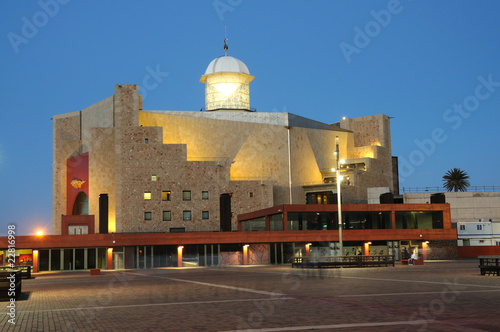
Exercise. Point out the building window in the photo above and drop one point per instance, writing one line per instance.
(204, 195)
(146, 141)
(186, 195)
(167, 216)
(462, 227)
(250, 194)
(186, 215)
(153, 178)
(147, 215)
(165, 195)
(147, 195)
(479, 227)
(205, 215)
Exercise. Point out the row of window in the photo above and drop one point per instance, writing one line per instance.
(479, 227)
(167, 215)
(166, 195)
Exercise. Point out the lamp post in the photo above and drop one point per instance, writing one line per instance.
(338, 197)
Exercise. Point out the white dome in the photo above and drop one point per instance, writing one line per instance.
(226, 64)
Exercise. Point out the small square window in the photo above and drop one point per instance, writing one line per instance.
(186, 195)
(204, 195)
(479, 227)
(148, 215)
(167, 216)
(147, 195)
(165, 195)
(153, 178)
(462, 227)
(205, 215)
(186, 215)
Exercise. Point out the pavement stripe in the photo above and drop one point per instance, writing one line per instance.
(419, 293)
(249, 290)
(334, 326)
(150, 305)
(421, 281)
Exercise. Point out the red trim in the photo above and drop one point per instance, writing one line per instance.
(111, 240)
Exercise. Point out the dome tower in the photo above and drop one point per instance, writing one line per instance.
(227, 84)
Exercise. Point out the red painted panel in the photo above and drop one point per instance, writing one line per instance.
(77, 168)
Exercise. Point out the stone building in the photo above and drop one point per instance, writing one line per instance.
(121, 169)
(135, 188)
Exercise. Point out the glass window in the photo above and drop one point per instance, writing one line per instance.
(204, 195)
(367, 220)
(298, 221)
(479, 227)
(462, 227)
(205, 215)
(147, 195)
(147, 215)
(186, 215)
(258, 224)
(419, 219)
(186, 195)
(165, 195)
(276, 222)
(167, 216)
(154, 178)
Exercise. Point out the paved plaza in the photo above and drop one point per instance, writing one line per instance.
(438, 296)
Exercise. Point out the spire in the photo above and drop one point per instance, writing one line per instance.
(225, 41)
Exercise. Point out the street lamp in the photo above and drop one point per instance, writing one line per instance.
(338, 196)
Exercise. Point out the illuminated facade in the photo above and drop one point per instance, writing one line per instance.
(120, 169)
(135, 188)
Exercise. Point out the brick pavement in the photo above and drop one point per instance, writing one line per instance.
(439, 296)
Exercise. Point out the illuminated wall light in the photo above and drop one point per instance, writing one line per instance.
(39, 233)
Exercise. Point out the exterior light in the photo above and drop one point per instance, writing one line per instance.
(246, 246)
(343, 118)
(110, 249)
(342, 161)
(39, 233)
(333, 169)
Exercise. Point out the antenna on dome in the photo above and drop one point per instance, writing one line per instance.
(225, 40)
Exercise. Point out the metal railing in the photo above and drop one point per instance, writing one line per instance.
(443, 190)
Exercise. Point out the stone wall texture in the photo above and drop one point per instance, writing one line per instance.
(259, 159)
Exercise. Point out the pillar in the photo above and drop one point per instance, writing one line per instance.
(307, 249)
(179, 256)
(110, 258)
(424, 250)
(245, 254)
(367, 248)
(35, 261)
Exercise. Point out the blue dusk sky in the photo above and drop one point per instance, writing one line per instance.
(431, 65)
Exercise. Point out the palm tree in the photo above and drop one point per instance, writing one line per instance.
(456, 180)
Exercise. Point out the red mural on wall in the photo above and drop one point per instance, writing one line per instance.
(77, 179)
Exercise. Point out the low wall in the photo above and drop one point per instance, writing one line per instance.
(474, 251)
